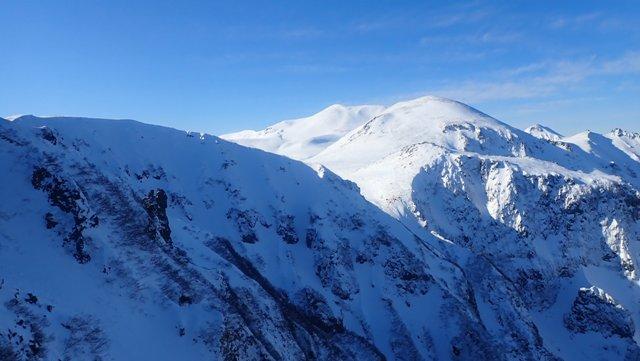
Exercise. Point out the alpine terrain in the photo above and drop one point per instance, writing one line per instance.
(303, 138)
(556, 217)
(422, 231)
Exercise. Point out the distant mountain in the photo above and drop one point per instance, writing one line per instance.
(558, 217)
(542, 132)
(306, 137)
(437, 121)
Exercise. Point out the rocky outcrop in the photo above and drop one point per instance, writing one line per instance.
(69, 199)
(594, 310)
(155, 203)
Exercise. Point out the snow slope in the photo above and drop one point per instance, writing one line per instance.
(120, 240)
(553, 215)
(542, 132)
(434, 120)
(306, 137)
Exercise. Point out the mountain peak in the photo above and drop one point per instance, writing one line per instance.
(305, 137)
(433, 101)
(334, 111)
(439, 121)
(618, 132)
(334, 107)
(543, 132)
(14, 117)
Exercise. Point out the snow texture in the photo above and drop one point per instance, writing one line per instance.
(424, 231)
(552, 215)
(303, 138)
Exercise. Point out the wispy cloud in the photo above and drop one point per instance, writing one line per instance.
(538, 107)
(426, 17)
(539, 80)
(487, 37)
(524, 69)
(255, 32)
(376, 24)
(300, 33)
(630, 63)
(471, 13)
(302, 69)
(575, 21)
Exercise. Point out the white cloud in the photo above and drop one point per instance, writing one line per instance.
(574, 22)
(539, 80)
(630, 63)
(487, 37)
(312, 69)
(458, 16)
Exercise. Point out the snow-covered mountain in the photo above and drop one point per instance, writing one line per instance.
(120, 240)
(303, 138)
(542, 132)
(441, 122)
(557, 217)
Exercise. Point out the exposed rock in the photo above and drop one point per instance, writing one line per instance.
(155, 203)
(68, 198)
(596, 311)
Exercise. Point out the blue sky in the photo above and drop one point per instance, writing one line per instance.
(224, 66)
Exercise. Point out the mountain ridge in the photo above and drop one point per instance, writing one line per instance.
(474, 240)
(304, 137)
(152, 242)
(446, 169)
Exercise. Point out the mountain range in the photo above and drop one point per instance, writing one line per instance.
(426, 230)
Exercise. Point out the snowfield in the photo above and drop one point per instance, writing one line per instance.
(303, 138)
(427, 230)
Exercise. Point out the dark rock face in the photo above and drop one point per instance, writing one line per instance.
(155, 203)
(245, 222)
(594, 310)
(60, 193)
(50, 222)
(315, 305)
(68, 198)
(286, 230)
(185, 300)
(48, 135)
(308, 317)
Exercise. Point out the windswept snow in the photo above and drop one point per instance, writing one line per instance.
(306, 137)
(13, 117)
(542, 132)
(441, 122)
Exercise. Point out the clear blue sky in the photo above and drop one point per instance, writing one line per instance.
(218, 67)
